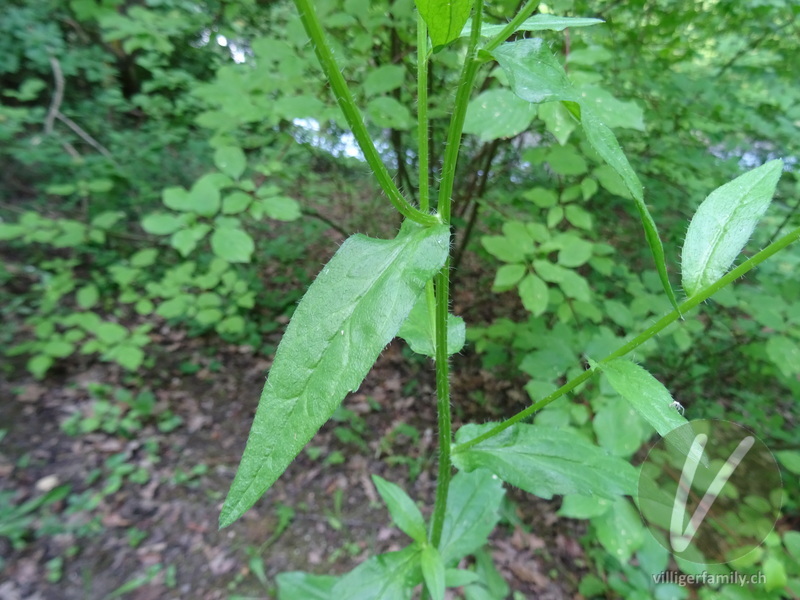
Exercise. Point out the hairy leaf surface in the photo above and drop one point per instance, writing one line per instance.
(541, 22)
(472, 513)
(444, 18)
(545, 461)
(418, 330)
(724, 222)
(353, 309)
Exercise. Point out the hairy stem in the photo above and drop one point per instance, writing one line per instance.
(311, 23)
(443, 278)
(422, 113)
(651, 331)
(512, 26)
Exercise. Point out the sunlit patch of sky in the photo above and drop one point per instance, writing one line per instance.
(344, 145)
(237, 53)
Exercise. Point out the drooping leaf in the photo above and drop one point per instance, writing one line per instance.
(433, 571)
(605, 144)
(578, 506)
(724, 222)
(353, 309)
(390, 576)
(541, 22)
(533, 72)
(473, 503)
(445, 19)
(418, 330)
(404, 512)
(546, 461)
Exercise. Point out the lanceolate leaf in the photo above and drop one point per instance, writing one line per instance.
(536, 76)
(546, 461)
(605, 144)
(472, 513)
(444, 18)
(404, 512)
(652, 400)
(296, 585)
(645, 393)
(433, 572)
(353, 309)
(390, 576)
(536, 23)
(724, 222)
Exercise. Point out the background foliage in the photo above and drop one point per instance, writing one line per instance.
(169, 163)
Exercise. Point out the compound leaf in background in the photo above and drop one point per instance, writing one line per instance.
(350, 312)
(498, 113)
(722, 225)
(231, 161)
(536, 76)
(232, 244)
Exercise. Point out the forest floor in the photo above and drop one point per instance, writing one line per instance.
(140, 518)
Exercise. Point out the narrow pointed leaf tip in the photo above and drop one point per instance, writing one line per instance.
(722, 225)
(351, 311)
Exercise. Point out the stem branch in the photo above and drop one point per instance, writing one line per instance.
(353, 116)
(640, 339)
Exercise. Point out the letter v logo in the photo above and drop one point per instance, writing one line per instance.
(679, 537)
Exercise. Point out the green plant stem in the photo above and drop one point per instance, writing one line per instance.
(422, 112)
(443, 279)
(640, 339)
(512, 26)
(311, 23)
(466, 81)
